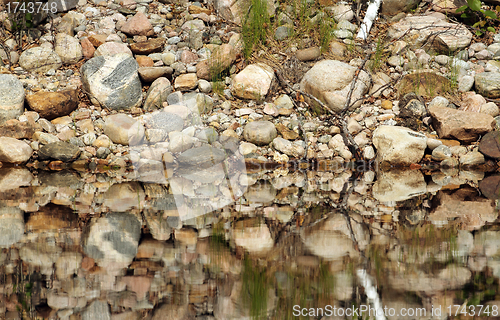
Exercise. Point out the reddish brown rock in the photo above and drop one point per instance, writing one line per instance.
(147, 47)
(308, 54)
(97, 39)
(197, 10)
(16, 129)
(139, 285)
(490, 187)
(87, 48)
(188, 56)
(144, 61)
(462, 125)
(150, 74)
(138, 25)
(490, 145)
(51, 105)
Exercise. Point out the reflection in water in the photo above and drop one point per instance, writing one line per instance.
(77, 245)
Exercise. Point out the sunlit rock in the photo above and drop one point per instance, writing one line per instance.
(13, 178)
(253, 236)
(122, 197)
(398, 185)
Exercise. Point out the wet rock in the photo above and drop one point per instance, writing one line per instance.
(157, 94)
(11, 226)
(308, 54)
(399, 145)
(13, 178)
(60, 150)
(432, 30)
(138, 25)
(204, 157)
(123, 129)
(253, 236)
(260, 132)
(11, 97)
(51, 105)
(462, 125)
(14, 151)
(148, 46)
(441, 152)
(488, 84)
(68, 48)
(112, 81)
(119, 233)
(490, 186)
(490, 145)
(253, 82)
(40, 59)
(398, 185)
(330, 81)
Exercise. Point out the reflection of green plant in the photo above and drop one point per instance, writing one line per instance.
(255, 289)
(254, 28)
(478, 17)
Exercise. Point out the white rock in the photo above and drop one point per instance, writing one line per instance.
(399, 145)
(14, 151)
(68, 48)
(253, 82)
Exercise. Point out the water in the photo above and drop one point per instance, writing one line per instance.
(293, 245)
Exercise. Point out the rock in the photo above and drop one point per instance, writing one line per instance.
(148, 46)
(308, 54)
(16, 129)
(112, 81)
(138, 25)
(235, 11)
(441, 152)
(393, 7)
(447, 6)
(287, 133)
(59, 150)
(465, 83)
(399, 145)
(186, 82)
(490, 186)
(380, 79)
(395, 61)
(426, 84)
(51, 105)
(204, 157)
(471, 159)
(150, 74)
(179, 141)
(157, 94)
(68, 264)
(260, 132)
(204, 86)
(488, 84)
(97, 310)
(330, 81)
(433, 31)
(471, 102)
(342, 11)
(123, 129)
(68, 48)
(166, 121)
(222, 58)
(188, 57)
(112, 48)
(88, 49)
(288, 148)
(462, 125)
(398, 185)
(412, 112)
(11, 97)
(14, 151)
(490, 108)
(40, 59)
(144, 61)
(490, 145)
(253, 82)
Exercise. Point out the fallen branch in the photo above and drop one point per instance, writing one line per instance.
(371, 14)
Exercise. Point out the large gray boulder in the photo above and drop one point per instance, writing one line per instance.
(112, 81)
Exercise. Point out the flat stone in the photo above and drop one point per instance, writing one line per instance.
(286, 133)
(472, 158)
(260, 132)
(112, 48)
(148, 46)
(14, 151)
(150, 74)
(60, 150)
(51, 105)
(123, 129)
(185, 82)
(204, 157)
(472, 102)
(144, 61)
(490, 186)
(157, 94)
(462, 125)
(138, 25)
(16, 129)
(399, 145)
(308, 54)
(11, 97)
(427, 84)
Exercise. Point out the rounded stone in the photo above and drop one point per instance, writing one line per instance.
(441, 152)
(11, 97)
(260, 132)
(40, 59)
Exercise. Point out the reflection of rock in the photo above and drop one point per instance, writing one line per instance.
(68, 264)
(452, 277)
(11, 226)
(13, 178)
(170, 312)
(261, 192)
(97, 310)
(158, 226)
(40, 254)
(471, 209)
(122, 197)
(113, 240)
(253, 236)
(399, 185)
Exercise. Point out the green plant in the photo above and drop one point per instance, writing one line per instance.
(326, 27)
(378, 55)
(254, 28)
(478, 17)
